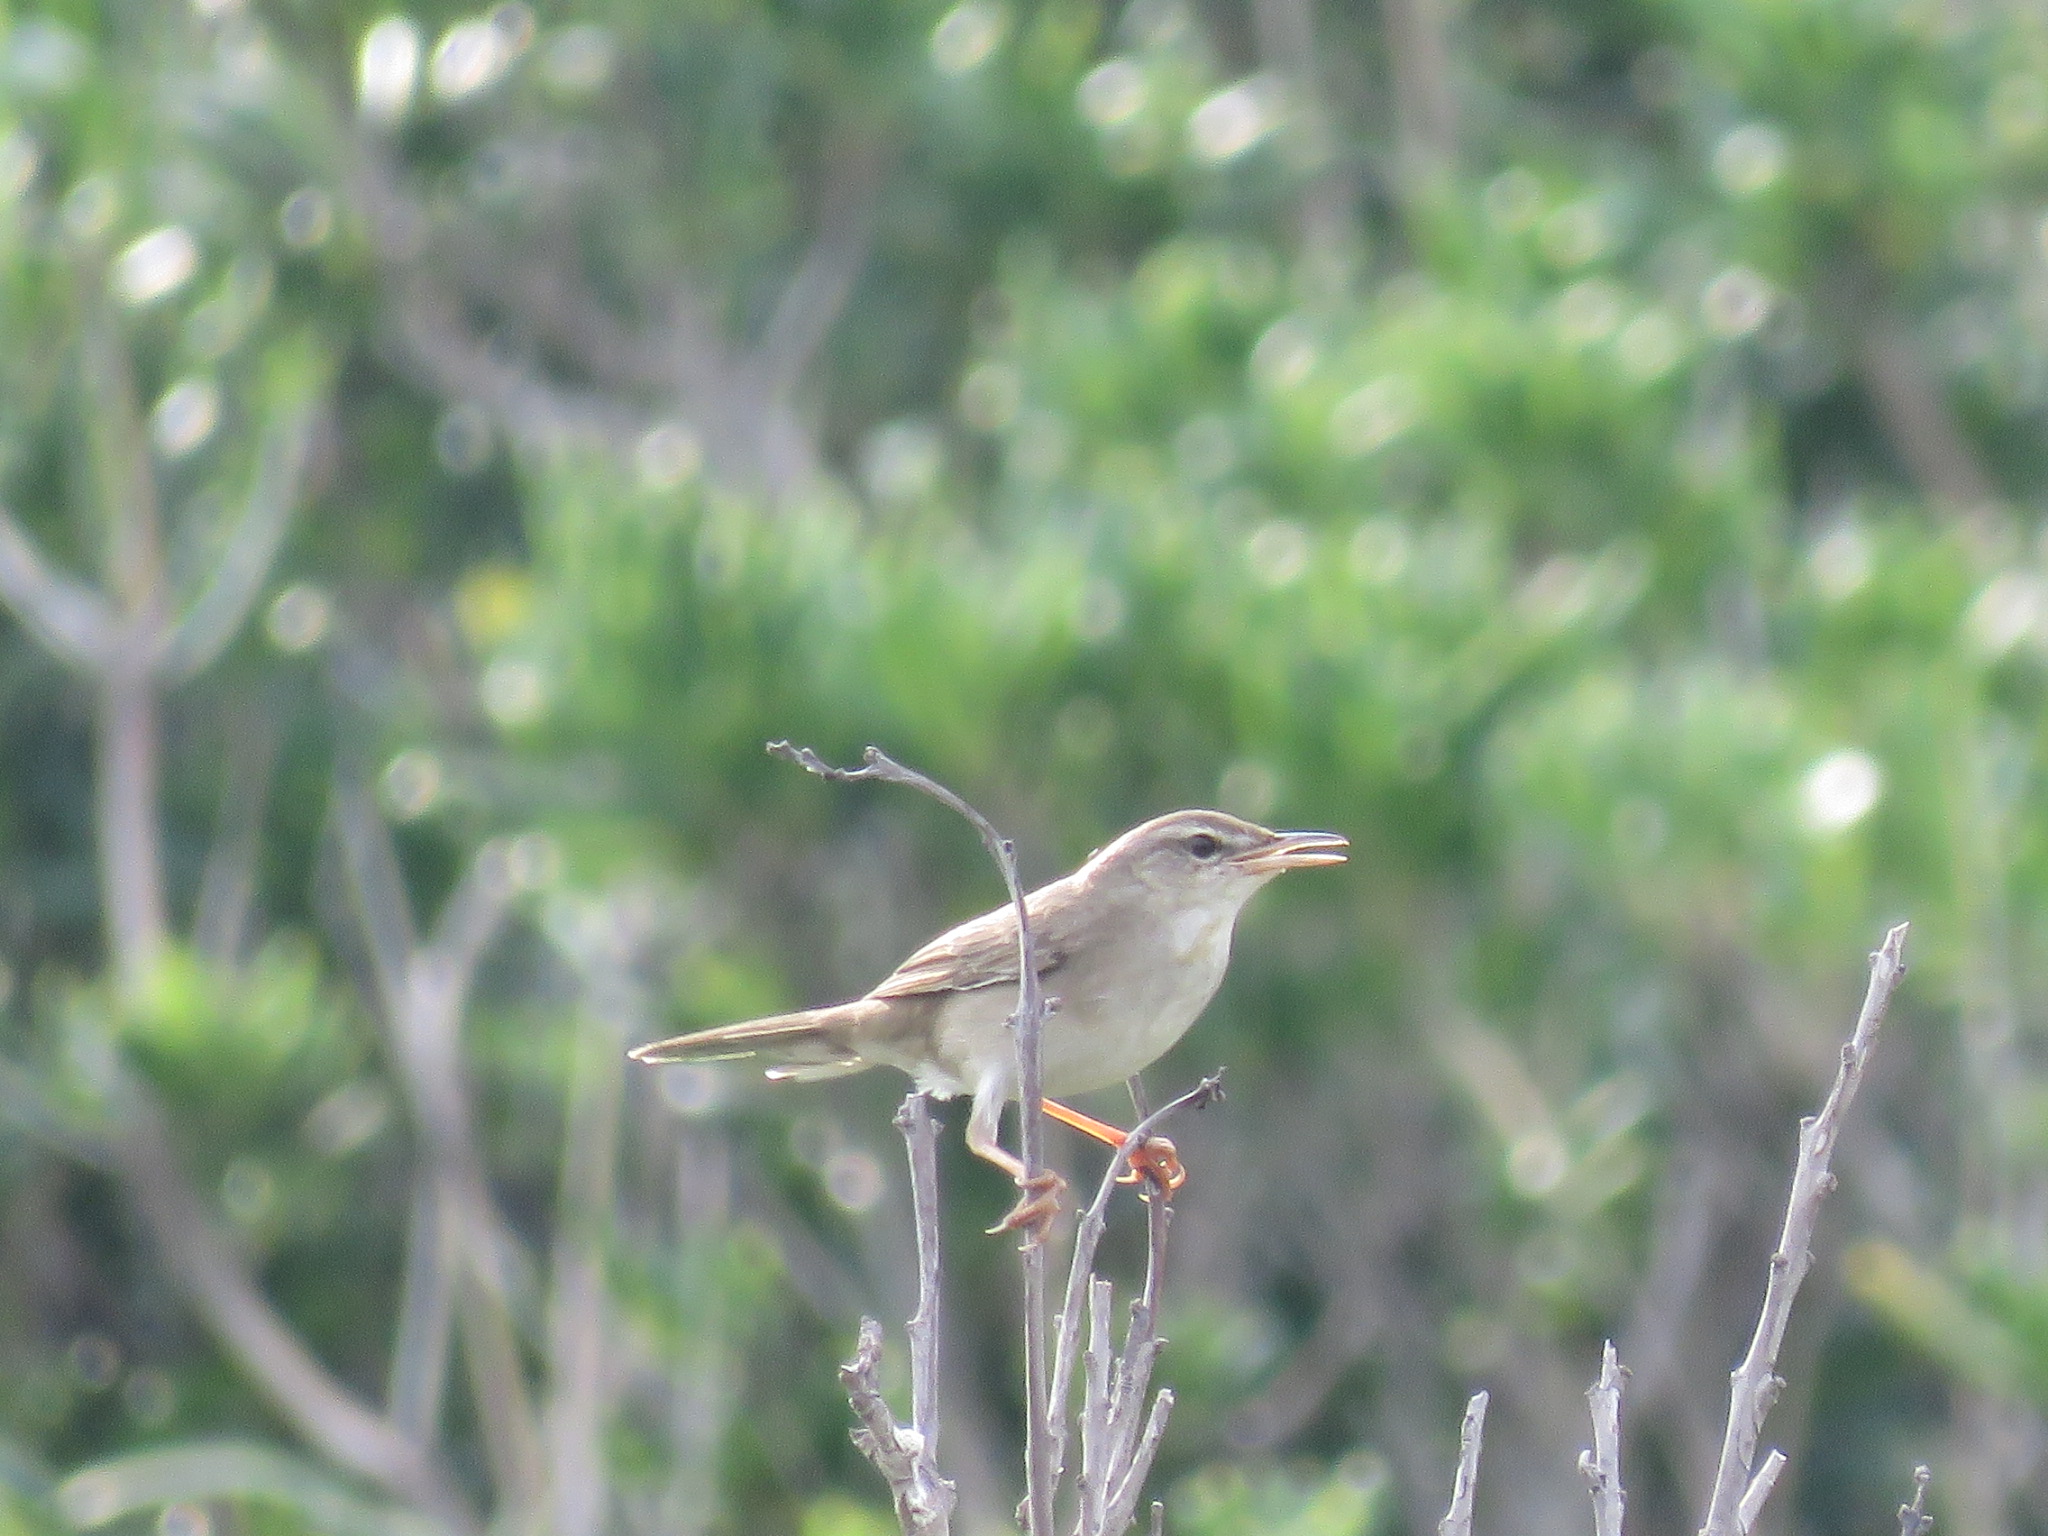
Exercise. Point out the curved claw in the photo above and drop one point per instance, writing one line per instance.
(1038, 1205)
(1157, 1163)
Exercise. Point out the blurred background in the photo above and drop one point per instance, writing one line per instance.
(1589, 453)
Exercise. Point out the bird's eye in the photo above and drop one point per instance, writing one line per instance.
(1203, 846)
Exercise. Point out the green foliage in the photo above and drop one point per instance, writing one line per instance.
(1615, 505)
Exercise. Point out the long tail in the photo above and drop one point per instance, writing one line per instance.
(815, 1043)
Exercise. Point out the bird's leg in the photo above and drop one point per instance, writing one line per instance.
(1153, 1159)
(1038, 1198)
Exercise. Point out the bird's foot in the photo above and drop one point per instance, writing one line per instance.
(1156, 1163)
(1038, 1203)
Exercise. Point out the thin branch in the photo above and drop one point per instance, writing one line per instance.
(920, 1135)
(426, 1317)
(67, 618)
(128, 745)
(1601, 1465)
(218, 1281)
(579, 1299)
(228, 879)
(381, 904)
(1028, 1022)
(1087, 1236)
(1913, 1518)
(1457, 1520)
(924, 1503)
(907, 1455)
(1754, 1386)
(425, 991)
(1759, 1489)
(245, 563)
(1922, 427)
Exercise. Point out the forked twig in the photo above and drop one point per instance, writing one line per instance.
(1141, 1339)
(907, 1454)
(1754, 1387)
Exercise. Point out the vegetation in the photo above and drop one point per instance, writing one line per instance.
(1590, 454)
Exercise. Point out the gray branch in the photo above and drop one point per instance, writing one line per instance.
(1751, 1506)
(1754, 1387)
(1457, 1520)
(907, 1455)
(924, 1503)
(1601, 1465)
(1913, 1518)
(217, 614)
(67, 618)
(1141, 1340)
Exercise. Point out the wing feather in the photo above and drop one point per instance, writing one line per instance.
(982, 952)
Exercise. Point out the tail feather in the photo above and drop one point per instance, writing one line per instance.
(814, 1043)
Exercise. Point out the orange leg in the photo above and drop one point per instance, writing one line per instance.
(1038, 1197)
(1154, 1158)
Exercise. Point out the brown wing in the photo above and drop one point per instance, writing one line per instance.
(983, 951)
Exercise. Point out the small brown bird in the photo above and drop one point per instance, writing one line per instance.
(1132, 945)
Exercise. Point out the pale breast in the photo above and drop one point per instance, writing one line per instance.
(1116, 1014)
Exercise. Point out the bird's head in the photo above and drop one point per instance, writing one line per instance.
(1210, 858)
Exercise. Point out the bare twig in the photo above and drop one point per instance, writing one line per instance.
(1457, 1520)
(924, 1503)
(920, 1136)
(1601, 1465)
(907, 1455)
(1913, 1518)
(1759, 1489)
(1087, 1236)
(1028, 1022)
(1754, 1387)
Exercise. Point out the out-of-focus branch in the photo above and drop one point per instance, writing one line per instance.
(817, 293)
(1327, 209)
(1457, 1520)
(424, 992)
(227, 1295)
(216, 615)
(227, 881)
(1601, 1465)
(578, 1309)
(907, 1454)
(1922, 428)
(1913, 1518)
(67, 618)
(672, 361)
(1754, 1386)
(1425, 99)
(130, 840)
(418, 1378)
(1028, 1024)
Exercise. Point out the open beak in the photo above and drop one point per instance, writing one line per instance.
(1294, 850)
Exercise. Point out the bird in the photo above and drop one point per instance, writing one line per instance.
(1130, 947)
